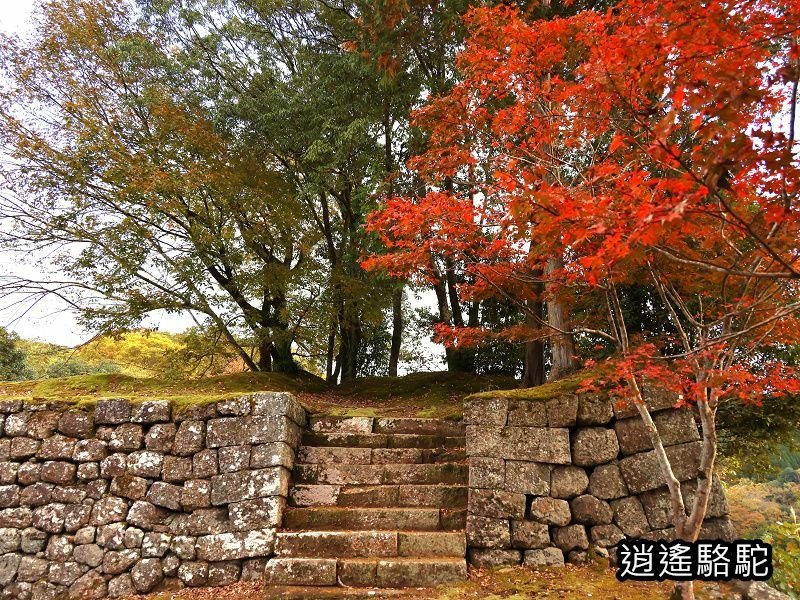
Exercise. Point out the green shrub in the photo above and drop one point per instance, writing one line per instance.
(785, 540)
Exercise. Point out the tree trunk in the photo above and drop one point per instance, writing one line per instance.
(265, 356)
(350, 344)
(561, 344)
(397, 330)
(460, 360)
(533, 373)
(329, 357)
(282, 359)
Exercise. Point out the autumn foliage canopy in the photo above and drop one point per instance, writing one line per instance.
(649, 145)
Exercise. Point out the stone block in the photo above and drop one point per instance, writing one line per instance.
(121, 587)
(8, 471)
(42, 424)
(22, 448)
(205, 464)
(486, 411)
(112, 411)
(90, 450)
(676, 426)
(127, 437)
(606, 536)
(223, 573)
(657, 400)
(16, 424)
(202, 521)
(76, 423)
(258, 513)
(594, 409)
(594, 446)
(527, 478)
(49, 518)
(60, 472)
(568, 482)
(9, 565)
(146, 515)
(9, 540)
(572, 537)
(31, 568)
(606, 482)
(69, 494)
(236, 545)
(112, 536)
(279, 403)
(237, 407)
(76, 516)
(10, 406)
(114, 465)
(234, 458)
(487, 473)
(544, 557)
(550, 510)
(177, 469)
(519, 443)
(529, 534)
(64, 573)
(88, 471)
(490, 558)
(9, 496)
(146, 463)
(643, 473)
(718, 529)
(59, 548)
(116, 562)
(276, 454)
(183, 547)
(589, 510)
(89, 554)
(190, 438)
(357, 573)
(151, 411)
(244, 485)
(196, 494)
(32, 540)
(499, 504)
(146, 574)
(57, 447)
(133, 538)
(562, 411)
(301, 571)
(90, 586)
(155, 545)
(630, 517)
(527, 413)
(484, 532)
(37, 494)
(161, 437)
(193, 573)
(19, 518)
(228, 431)
(165, 494)
(109, 510)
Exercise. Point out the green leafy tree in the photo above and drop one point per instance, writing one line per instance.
(13, 364)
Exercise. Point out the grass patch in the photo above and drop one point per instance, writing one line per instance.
(567, 385)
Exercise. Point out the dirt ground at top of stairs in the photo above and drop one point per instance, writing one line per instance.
(517, 583)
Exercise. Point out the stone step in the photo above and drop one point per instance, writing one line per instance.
(381, 440)
(389, 425)
(377, 456)
(369, 544)
(379, 573)
(439, 496)
(300, 592)
(335, 518)
(426, 474)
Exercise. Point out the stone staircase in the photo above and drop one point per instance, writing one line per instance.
(375, 503)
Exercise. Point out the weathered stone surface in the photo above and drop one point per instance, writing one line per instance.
(606, 482)
(499, 504)
(589, 510)
(9, 496)
(568, 482)
(190, 438)
(151, 411)
(234, 458)
(109, 510)
(90, 451)
(114, 465)
(57, 447)
(49, 518)
(111, 536)
(550, 510)
(31, 568)
(196, 493)
(22, 448)
(160, 437)
(165, 494)
(9, 564)
(112, 411)
(519, 443)
(91, 586)
(121, 587)
(126, 438)
(29, 473)
(301, 571)
(32, 540)
(484, 532)
(129, 486)
(236, 545)
(674, 427)
(42, 424)
(146, 574)
(572, 537)
(486, 473)
(545, 557)
(76, 423)
(10, 406)
(529, 534)
(717, 529)
(9, 540)
(64, 573)
(527, 478)
(116, 562)
(194, 574)
(643, 473)
(155, 545)
(203, 521)
(490, 558)
(276, 454)
(59, 548)
(76, 516)
(223, 573)
(244, 485)
(183, 547)
(204, 464)
(657, 400)
(133, 538)
(594, 446)
(629, 516)
(253, 569)
(258, 513)
(562, 411)
(145, 515)
(96, 489)
(594, 409)
(234, 407)
(237, 431)
(89, 554)
(37, 494)
(176, 469)
(68, 494)
(605, 536)
(526, 413)
(145, 463)
(717, 502)
(58, 472)
(8, 471)
(85, 535)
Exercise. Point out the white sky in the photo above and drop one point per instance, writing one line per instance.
(14, 14)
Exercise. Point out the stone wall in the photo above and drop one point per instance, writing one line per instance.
(129, 498)
(551, 479)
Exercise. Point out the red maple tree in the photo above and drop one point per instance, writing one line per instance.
(652, 144)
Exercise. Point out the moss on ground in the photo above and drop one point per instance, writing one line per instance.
(547, 391)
